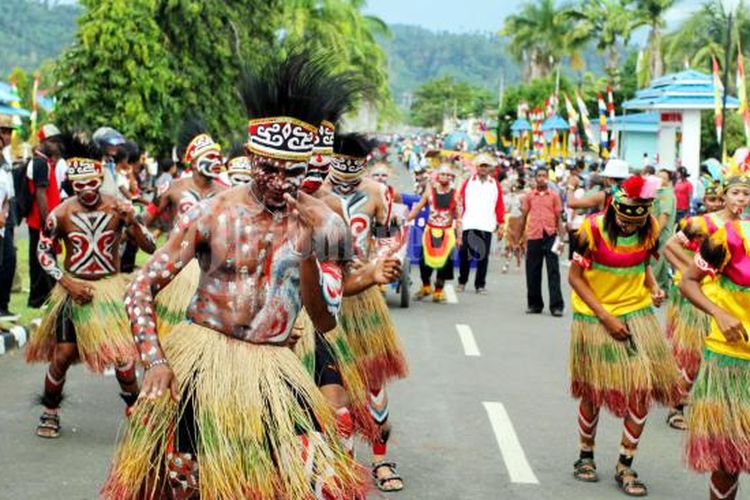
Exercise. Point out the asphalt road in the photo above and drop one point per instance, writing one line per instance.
(442, 414)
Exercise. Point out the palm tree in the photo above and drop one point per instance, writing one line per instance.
(609, 22)
(704, 34)
(540, 37)
(651, 13)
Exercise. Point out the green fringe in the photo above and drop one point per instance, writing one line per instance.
(621, 271)
(724, 378)
(731, 286)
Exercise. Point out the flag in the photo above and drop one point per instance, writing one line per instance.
(611, 111)
(718, 90)
(743, 110)
(573, 124)
(537, 116)
(603, 135)
(34, 105)
(588, 131)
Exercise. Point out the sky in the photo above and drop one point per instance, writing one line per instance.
(470, 15)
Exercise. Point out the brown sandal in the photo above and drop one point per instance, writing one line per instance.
(585, 470)
(49, 426)
(676, 420)
(627, 481)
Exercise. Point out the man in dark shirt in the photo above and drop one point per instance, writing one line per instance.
(46, 190)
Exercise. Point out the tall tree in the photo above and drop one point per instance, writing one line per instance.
(652, 13)
(541, 36)
(117, 72)
(437, 99)
(610, 23)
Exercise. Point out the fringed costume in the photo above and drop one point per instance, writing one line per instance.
(609, 373)
(100, 329)
(172, 303)
(719, 423)
(250, 414)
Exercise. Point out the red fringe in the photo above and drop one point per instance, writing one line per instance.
(364, 424)
(707, 454)
(618, 403)
(382, 369)
(688, 360)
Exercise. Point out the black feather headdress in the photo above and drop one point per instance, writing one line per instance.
(287, 100)
(82, 155)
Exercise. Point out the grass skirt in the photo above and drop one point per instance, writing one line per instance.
(172, 302)
(371, 334)
(102, 328)
(354, 383)
(687, 326)
(618, 375)
(719, 423)
(251, 404)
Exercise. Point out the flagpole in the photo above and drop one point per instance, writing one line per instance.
(728, 49)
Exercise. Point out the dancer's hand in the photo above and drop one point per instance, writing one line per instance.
(126, 211)
(156, 381)
(730, 327)
(658, 296)
(616, 328)
(387, 270)
(79, 290)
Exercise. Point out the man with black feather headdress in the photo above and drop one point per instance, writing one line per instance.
(224, 399)
(85, 319)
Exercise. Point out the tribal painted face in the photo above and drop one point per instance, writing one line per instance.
(346, 173)
(317, 171)
(85, 176)
(239, 170)
(275, 178)
(209, 164)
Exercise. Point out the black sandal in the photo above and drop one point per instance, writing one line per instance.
(585, 470)
(48, 422)
(676, 420)
(380, 482)
(627, 481)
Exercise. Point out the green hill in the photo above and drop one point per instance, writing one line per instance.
(32, 31)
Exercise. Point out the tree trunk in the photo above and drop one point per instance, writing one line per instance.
(656, 64)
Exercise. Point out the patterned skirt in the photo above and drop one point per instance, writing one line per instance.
(687, 326)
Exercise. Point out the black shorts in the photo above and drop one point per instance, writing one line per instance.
(326, 368)
(65, 331)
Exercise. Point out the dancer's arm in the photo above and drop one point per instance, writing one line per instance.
(136, 227)
(711, 259)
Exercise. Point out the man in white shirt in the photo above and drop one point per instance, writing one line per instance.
(483, 212)
(7, 222)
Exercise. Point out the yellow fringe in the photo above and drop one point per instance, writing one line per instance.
(251, 401)
(172, 302)
(102, 328)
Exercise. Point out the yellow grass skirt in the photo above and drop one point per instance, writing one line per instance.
(353, 381)
(251, 404)
(172, 302)
(687, 327)
(102, 328)
(371, 335)
(621, 375)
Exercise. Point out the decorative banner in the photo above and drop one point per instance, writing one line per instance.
(586, 123)
(718, 91)
(34, 106)
(573, 123)
(537, 116)
(604, 136)
(743, 110)
(523, 109)
(611, 111)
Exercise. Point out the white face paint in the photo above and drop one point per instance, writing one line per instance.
(87, 191)
(209, 164)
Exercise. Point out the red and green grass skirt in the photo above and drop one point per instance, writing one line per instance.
(719, 419)
(371, 335)
(687, 327)
(352, 379)
(619, 375)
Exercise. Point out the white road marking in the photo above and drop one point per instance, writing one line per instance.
(450, 294)
(467, 340)
(514, 457)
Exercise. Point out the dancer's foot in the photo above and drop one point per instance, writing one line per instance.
(49, 425)
(423, 292)
(386, 476)
(627, 481)
(438, 296)
(585, 470)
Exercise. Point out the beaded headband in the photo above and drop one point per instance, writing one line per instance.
(200, 145)
(83, 169)
(281, 138)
